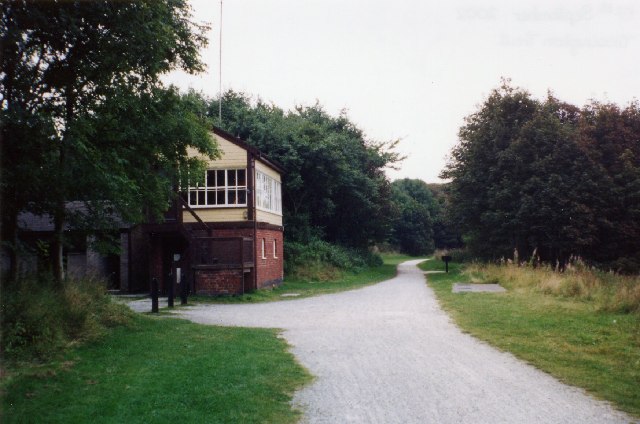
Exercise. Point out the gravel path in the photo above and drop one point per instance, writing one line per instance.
(387, 354)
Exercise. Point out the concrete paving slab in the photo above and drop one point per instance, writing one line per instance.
(477, 288)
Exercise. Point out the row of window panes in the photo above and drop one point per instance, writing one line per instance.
(225, 178)
(268, 193)
(222, 187)
(219, 197)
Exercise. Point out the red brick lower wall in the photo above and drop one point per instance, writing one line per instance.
(219, 281)
(270, 269)
(233, 232)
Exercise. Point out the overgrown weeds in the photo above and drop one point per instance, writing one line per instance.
(607, 291)
(40, 318)
(319, 260)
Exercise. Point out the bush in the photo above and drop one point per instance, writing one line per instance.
(628, 265)
(40, 318)
(323, 257)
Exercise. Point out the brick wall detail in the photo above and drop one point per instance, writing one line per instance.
(219, 281)
(270, 269)
(146, 261)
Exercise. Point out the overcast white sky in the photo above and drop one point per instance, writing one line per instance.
(414, 69)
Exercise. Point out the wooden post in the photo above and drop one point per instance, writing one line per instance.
(154, 295)
(170, 294)
(446, 260)
(184, 290)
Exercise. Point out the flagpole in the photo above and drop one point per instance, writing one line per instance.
(220, 70)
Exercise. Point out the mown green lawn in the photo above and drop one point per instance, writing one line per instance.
(162, 370)
(568, 338)
(306, 287)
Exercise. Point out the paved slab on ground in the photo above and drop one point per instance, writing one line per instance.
(387, 353)
(477, 288)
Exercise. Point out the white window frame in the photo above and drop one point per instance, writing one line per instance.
(211, 190)
(264, 256)
(268, 193)
(275, 250)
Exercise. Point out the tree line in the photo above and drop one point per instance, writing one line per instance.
(549, 179)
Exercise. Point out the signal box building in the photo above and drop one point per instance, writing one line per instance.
(223, 237)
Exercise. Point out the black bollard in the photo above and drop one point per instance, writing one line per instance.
(184, 292)
(154, 295)
(446, 260)
(170, 292)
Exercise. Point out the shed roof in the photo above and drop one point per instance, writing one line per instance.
(29, 221)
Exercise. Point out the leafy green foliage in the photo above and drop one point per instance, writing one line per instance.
(548, 177)
(144, 139)
(446, 235)
(318, 253)
(84, 113)
(421, 218)
(610, 135)
(413, 224)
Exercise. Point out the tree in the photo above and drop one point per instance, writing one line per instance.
(413, 223)
(549, 177)
(483, 189)
(556, 187)
(610, 136)
(446, 235)
(69, 70)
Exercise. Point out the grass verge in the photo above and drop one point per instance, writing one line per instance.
(161, 370)
(310, 286)
(571, 338)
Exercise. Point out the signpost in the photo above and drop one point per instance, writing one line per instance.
(446, 259)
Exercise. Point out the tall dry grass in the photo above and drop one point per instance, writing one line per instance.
(607, 291)
(40, 318)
